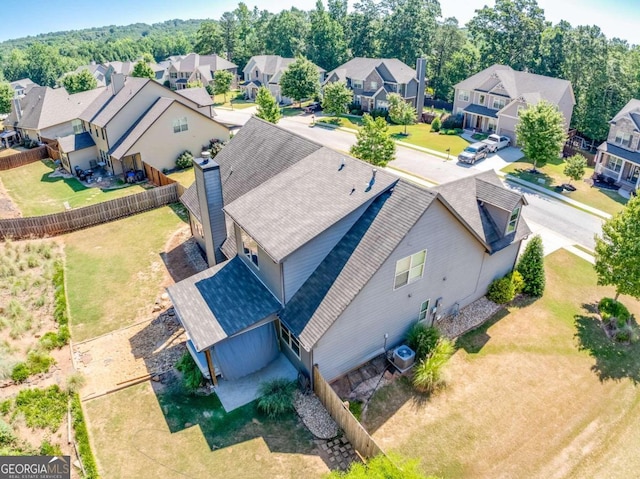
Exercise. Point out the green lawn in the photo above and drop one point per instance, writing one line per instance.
(235, 99)
(539, 391)
(136, 433)
(36, 193)
(114, 271)
(552, 173)
(185, 177)
(418, 134)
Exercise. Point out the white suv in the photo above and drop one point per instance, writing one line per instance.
(497, 142)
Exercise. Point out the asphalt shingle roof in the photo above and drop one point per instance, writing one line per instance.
(632, 156)
(76, 142)
(359, 68)
(293, 207)
(107, 105)
(354, 261)
(220, 302)
(273, 64)
(197, 95)
(481, 110)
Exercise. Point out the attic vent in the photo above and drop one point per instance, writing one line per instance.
(342, 164)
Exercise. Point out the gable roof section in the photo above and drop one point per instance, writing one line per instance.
(271, 64)
(44, 107)
(192, 61)
(630, 110)
(354, 260)
(107, 105)
(196, 95)
(463, 197)
(295, 206)
(359, 68)
(516, 84)
(76, 142)
(220, 302)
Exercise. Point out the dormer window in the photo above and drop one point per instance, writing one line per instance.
(513, 220)
(250, 248)
(623, 138)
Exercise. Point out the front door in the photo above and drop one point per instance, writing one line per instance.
(633, 174)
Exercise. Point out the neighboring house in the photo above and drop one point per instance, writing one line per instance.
(102, 73)
(327, 258)
(49, 113)
(492, 99)
(192, 68)
(266, 70)
(21, 87)
(619, 157)
(372, 79)
(136, 121)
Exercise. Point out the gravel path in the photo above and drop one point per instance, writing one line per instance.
(468, 318)
(315, 416)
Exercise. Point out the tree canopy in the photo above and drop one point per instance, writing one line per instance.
(575, 166)
(541, 132)
(300, 80)
(618, 249)
(222, 80)
(6, 97)
(143, 70)
(374, 143)
(401, 112)
(337, 98)
(267, 106)
(81, 81)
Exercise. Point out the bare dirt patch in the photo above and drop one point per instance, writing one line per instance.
(8, 208)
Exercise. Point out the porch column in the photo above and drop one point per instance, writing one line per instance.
(624, 163)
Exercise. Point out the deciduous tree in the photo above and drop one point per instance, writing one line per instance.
(374, 143)
(142, 70)
(6, 97)
(337, 98)
(618, 249)
(267, 106)
(326, 45)
(574, 167)
(541, 132)
(365, 25)
(222, 80)
(81, 81)
(401, 112)
(300, 80)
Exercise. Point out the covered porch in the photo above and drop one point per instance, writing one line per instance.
(621, 166)
(480, 118)
(229, 318)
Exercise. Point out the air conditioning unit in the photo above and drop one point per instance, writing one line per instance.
(403, 357)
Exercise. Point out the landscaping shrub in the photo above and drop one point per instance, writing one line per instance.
(531, 267)
(517, 281)
(82, 438)
(435, 125)
(427, 375)
(185, 160)
(382, 467)
(501, 290)
(422, 339)
(356, 409)
(451, 122)
(276, 397)
(610, 308)
(20, 373)
(39, 361)
(48, 449)
(215, 147)
(191, 375)
(75, 382)
(379, 112)
(7, 436)
(42, 408)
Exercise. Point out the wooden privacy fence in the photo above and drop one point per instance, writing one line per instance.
(357, 435)
(158, 178)
(65, 222)
(25, 157)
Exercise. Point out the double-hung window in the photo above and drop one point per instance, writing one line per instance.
(409, 269)
(463, 95)
(180, 124)
(290, 340)
(250, 248)
(614, 164)
(513, 220)
(623, 138)
(498, 103)
(424, 311)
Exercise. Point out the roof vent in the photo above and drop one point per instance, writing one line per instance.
(342, 164)
(353, 190)
(206, 156)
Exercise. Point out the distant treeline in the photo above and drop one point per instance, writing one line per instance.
(604, 72)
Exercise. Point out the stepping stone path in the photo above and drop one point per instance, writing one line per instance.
(340, 453)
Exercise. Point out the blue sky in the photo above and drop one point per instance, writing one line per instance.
(619, 18)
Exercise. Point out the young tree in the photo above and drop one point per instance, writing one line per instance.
(574, 167)
(195, 84)
(337, 98)
(301, 80)
(401, 112)
(374, 143)
(81, 81)
(618, 250)
(222, 83)
(541, 132)
(143, 70)
(6, 97)
(267, 106)
(531, 267)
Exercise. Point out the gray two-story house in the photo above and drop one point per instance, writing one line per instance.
(193, 68)
(492, 99)
(619, 157)
(266, 71)
(372, 79)
(328, 260)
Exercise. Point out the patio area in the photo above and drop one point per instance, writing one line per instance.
(237, 393)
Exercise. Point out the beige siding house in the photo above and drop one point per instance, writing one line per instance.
(618, 158)
(490, 100)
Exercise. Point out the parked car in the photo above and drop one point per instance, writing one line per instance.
(497, 142)
(474, 152)
(313, 107)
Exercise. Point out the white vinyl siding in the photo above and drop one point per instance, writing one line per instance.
(410, 269)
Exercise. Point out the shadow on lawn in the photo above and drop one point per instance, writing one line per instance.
(613, 360)
(73, 183)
